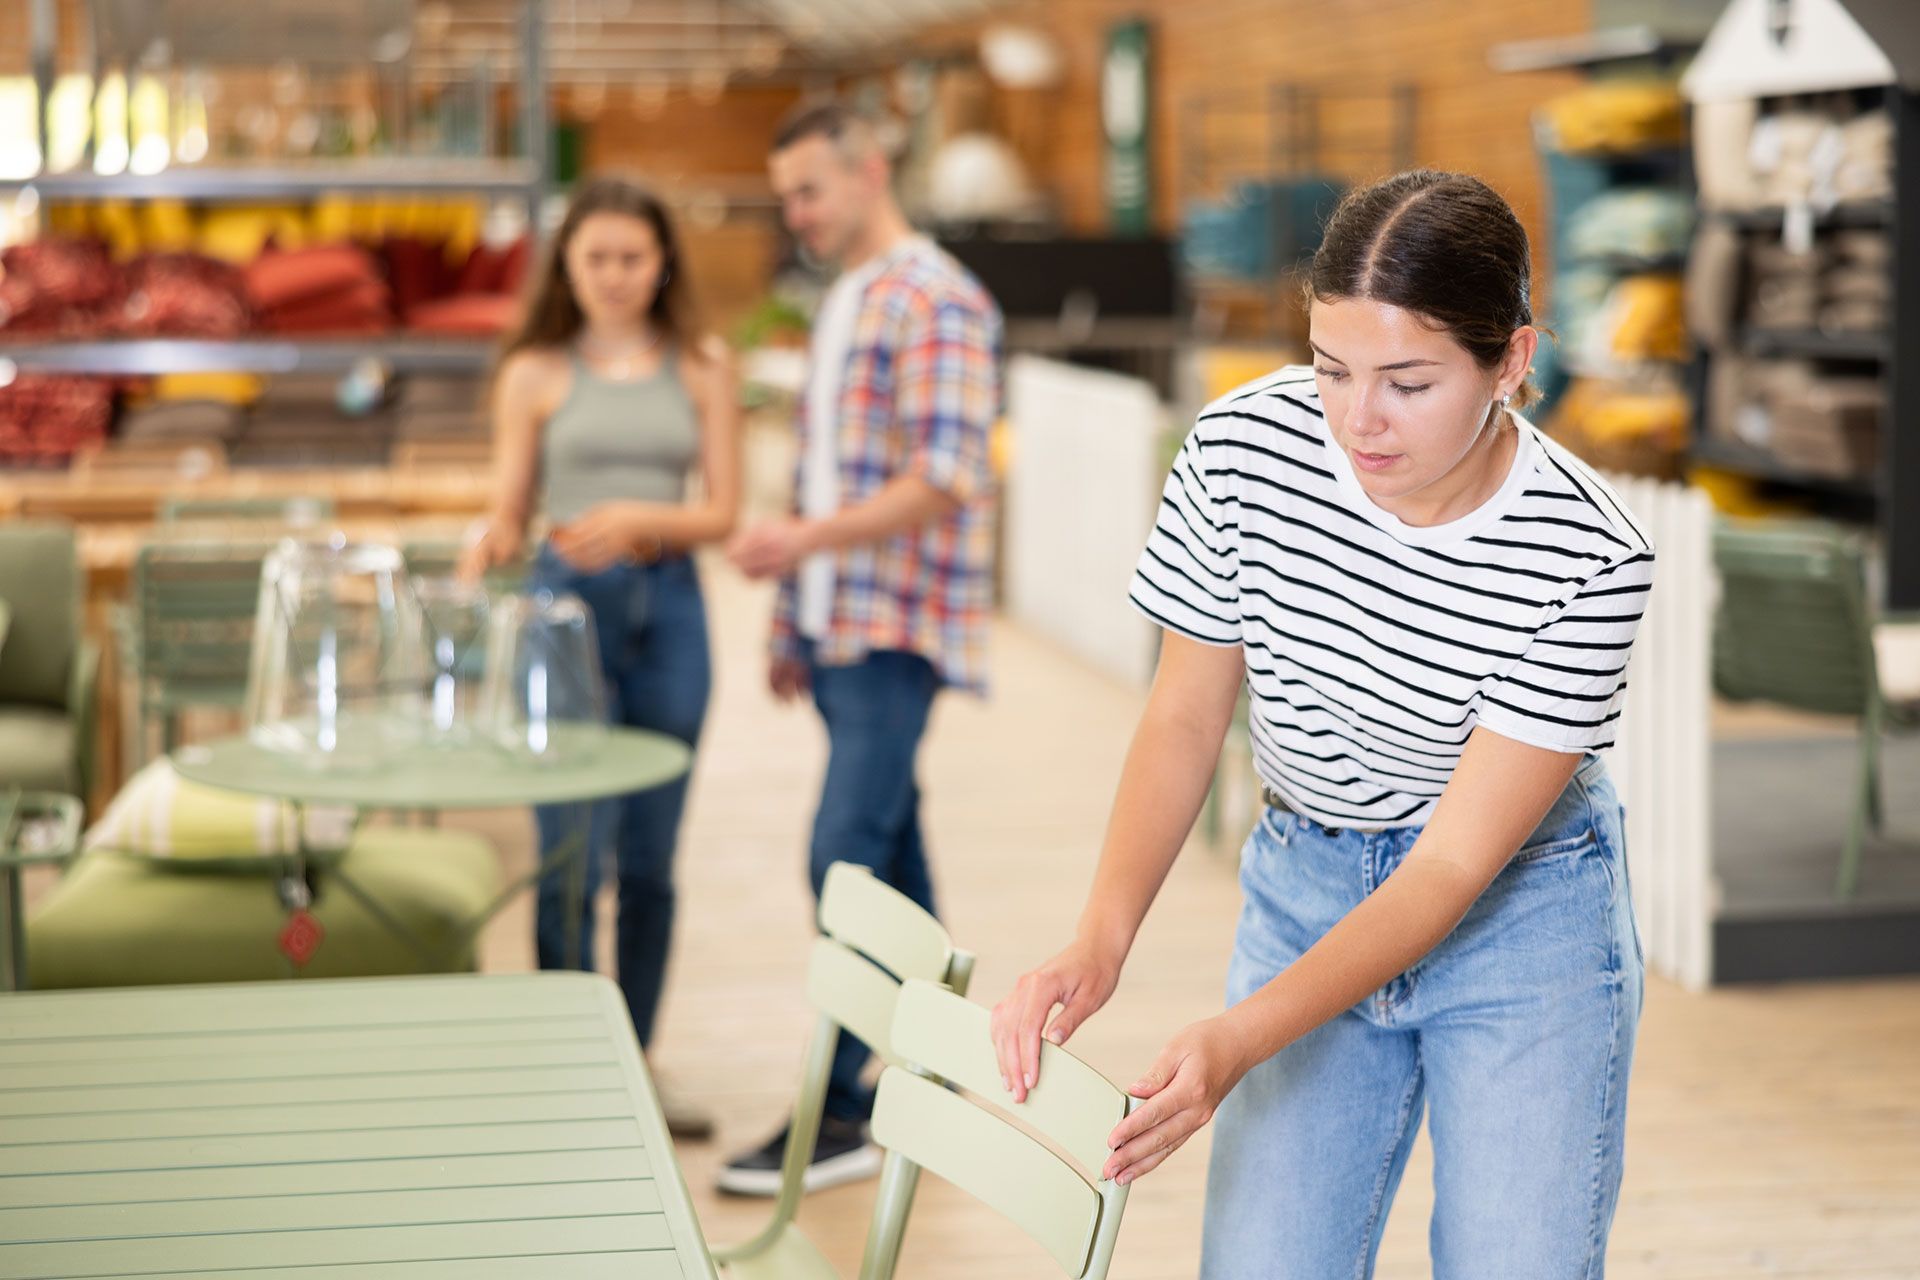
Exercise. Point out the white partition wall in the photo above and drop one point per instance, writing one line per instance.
(1662, 765)
(1081, 496)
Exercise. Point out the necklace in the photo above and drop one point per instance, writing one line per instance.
(621, 367)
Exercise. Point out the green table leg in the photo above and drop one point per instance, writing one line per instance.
(16, 927)
(576, 901)
(14, 919)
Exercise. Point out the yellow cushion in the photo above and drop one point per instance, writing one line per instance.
(162, 816)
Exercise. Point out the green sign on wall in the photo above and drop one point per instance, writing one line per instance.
(1125, 111)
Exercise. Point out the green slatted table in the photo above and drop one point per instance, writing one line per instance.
(458, 1127)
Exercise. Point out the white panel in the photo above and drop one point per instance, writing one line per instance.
(1081, 496)
(1662, 766)
(1826, 48)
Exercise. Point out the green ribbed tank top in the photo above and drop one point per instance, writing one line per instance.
(612, 441)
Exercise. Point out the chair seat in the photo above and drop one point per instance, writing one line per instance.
(37, 749)
(792, 1257)
(116, 920)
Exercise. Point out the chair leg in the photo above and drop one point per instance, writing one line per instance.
(1865, 805)
(1876, 795)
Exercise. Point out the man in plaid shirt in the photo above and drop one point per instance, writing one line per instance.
(884, 564)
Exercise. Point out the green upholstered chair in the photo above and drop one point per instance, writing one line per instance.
(1795, 627)
(116, 920)
(48, 668)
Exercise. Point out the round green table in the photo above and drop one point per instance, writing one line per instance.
(588, 762)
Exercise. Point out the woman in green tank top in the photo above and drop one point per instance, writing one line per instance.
(605, 402)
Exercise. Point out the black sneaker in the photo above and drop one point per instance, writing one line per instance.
(842, 1153)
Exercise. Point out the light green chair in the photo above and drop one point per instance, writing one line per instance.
(1045, 1182)
(187, 634)
(871, 938)
(48, 668)
(1794, 627)
(294, 513)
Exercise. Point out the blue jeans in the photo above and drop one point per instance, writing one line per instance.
(875, 711)
(1517, 1031)
(651, 626)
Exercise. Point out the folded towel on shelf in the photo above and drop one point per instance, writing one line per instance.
(1854, 316)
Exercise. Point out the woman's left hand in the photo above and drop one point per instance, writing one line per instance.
(1183, 1088)
(608, 534)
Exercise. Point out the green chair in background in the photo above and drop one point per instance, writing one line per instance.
(872, 938)
(48, 668)
(924, 1124)
(187, 634)
(1795, 627)
(295, 513)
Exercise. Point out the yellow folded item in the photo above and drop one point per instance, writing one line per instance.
(228, 388)
(1617, 116)
(167, 226)
(162, 816)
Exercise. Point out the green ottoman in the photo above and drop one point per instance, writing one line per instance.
(117, 921)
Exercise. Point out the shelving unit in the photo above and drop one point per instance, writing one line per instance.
(499, 178)
(1745, 59)
(152, 356)
(521, 178)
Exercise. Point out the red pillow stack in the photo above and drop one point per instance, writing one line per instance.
(330, 289)
(45, 419)
(484, 301)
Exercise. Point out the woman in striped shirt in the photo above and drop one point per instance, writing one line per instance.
(1430, 606)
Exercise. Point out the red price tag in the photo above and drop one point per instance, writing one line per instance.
(301, 938)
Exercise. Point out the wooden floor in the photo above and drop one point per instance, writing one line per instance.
(1773, 1132)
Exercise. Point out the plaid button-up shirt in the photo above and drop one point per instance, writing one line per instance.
(919, 396)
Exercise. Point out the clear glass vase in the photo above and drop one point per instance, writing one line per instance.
(338, 676)
(457, 616)
(543, 677)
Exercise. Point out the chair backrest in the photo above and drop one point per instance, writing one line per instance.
(294, 512)
(872, 938)
(1073, 1216)
(192, 622)
(40, 580)
(1793, 624)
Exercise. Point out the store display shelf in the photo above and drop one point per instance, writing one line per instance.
(1758, 464)
(289, 182)
(151, 356)
(1629, 264)
(1589, 49)
(1812, 344)
(1855, 214)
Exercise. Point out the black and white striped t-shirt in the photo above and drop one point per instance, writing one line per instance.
(1374, 647)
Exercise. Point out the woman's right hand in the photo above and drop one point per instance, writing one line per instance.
(1079, 981)
(493, 548)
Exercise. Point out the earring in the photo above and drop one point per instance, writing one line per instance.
(1506, 400)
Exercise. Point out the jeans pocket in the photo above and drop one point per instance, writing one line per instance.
(1560, 847)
